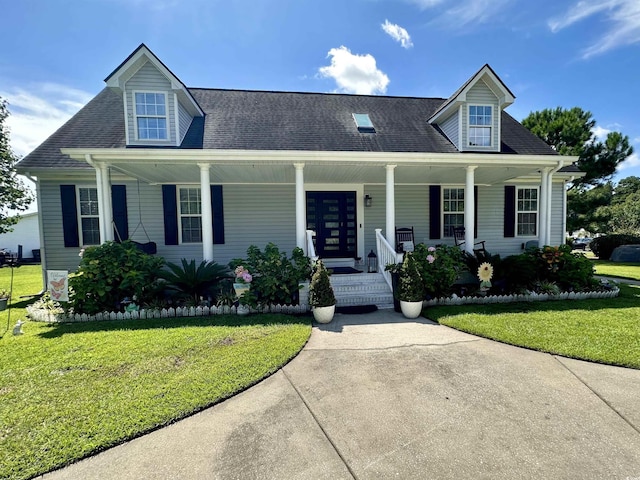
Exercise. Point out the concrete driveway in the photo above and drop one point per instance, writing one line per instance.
(377, 396)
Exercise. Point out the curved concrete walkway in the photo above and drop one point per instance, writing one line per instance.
(377, 396)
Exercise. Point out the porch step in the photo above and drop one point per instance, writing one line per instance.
(362, 289)
(339, 262)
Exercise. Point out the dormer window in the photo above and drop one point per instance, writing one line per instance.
(364, 123)
(480, 122)
(151, 115)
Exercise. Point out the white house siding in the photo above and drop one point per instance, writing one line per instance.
(451, 128)
(185, 120)
(480, 94)
(149, 79)
(25, 233)
(252, 220)
(57, 257)
(249, 220)
(412, 209)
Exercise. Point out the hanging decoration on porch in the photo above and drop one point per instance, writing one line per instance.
(485, 273)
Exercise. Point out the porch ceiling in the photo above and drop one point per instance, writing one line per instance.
(320, 173)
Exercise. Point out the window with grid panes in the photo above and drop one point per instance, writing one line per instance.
(527, 211)
(190, 212)
(89, 215)
(452, 210)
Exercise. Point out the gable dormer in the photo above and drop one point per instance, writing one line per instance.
(471, 117)
(158, 108)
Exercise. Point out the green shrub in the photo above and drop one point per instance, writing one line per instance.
(574, 271)
(520, 272)
(410, 283)
(439, 268)
(194, 282)
(603, 247)
(320, 289)
(276, 278)
(109, 273)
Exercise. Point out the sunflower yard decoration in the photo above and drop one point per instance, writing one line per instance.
(485, 273)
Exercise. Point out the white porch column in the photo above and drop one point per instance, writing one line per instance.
(549, 202)
(390, 231)
(107, 211)
(101, 205)
(301, 223)
(207, 212)
(542, 207)
(469, 209)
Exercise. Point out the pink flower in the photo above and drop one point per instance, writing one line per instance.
(432, 249)
(431, 258)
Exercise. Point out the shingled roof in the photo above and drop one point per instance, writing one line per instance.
(259, 120)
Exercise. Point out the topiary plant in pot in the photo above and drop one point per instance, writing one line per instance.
(410, 289)
(321, 296)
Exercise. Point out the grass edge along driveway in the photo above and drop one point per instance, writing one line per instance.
(71, 390)
(597, 330)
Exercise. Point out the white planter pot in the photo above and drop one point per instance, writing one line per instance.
(324, 314)
(411, 309)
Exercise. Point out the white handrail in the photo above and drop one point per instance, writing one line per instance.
(386, 255)
(311, 248)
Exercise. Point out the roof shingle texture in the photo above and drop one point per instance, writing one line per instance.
(257, 120)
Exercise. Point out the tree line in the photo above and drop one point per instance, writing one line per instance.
(594, 201)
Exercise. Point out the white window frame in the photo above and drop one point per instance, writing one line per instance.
(537, 212)
(190, 215)
(165, 116)
(490, 126)
(443, 213)
(81, 216)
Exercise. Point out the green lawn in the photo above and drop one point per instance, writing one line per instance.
(67, 391)
(599, 330)
(617, 269)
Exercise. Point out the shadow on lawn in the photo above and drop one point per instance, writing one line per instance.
(59, 329)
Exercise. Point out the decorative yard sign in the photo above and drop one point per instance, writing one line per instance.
(57, 285)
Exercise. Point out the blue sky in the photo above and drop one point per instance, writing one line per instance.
(56, 53)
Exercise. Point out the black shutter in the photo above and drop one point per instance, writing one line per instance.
(170, 208)
(218, 214)
(69, 216)
(119, 208)
(509, 211)
(434, 212)
(475, 211)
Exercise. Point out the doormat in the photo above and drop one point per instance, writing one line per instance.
(342, 270)
(356, 309)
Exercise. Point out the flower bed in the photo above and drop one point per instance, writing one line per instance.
(528, 297)
(44, 315)
(52, 315)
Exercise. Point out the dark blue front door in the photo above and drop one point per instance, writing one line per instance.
(333, 217)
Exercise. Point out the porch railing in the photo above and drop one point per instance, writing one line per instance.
(386, 255)
(311, 248)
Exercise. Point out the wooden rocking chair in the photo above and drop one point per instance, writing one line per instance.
(458, 236)
(404, 239)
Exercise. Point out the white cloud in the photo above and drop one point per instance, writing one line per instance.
(398, 33)
(632, 161)
(424, 4)
(355, 73)
(468, 12)
(600, 132)
(622, 16)
(39, 110)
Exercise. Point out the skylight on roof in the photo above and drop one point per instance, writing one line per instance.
(364, 123)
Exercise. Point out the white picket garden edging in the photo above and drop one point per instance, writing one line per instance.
(528, 297)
